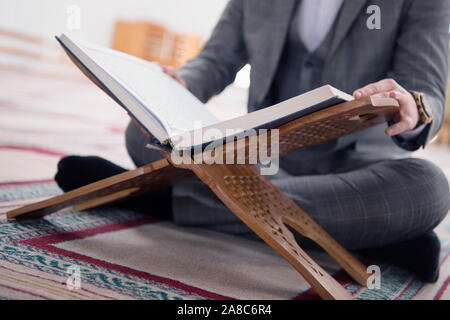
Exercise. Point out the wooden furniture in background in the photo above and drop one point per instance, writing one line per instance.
(154, 42)
(443, 138)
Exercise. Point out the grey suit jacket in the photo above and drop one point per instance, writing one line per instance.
(412, 47)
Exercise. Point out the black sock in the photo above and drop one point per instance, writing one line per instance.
(77, 171)
(419, 255)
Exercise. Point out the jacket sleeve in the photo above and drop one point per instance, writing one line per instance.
(222, 57)
(421, 62)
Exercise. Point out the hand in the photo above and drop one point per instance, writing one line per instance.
(170, 71)
(407, 117)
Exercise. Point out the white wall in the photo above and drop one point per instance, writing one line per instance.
(47, 18)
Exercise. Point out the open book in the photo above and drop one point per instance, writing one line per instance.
(168, 111)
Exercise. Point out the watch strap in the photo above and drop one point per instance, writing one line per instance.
(424, 116)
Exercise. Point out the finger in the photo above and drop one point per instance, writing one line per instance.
(173, 73)
(387, 94)
(180, 80)
(405, 120)
(381, 95)
(404, 125)
(404, 103)
(161, 66)
(401, 97)
(169, 71)
(374, 88)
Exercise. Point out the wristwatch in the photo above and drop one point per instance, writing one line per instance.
(424, 116)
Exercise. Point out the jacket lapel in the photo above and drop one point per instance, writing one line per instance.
(349, 12)
(274, 43)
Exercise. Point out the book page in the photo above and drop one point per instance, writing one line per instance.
(174, 105)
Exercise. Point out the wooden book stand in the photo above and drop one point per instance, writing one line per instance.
(250, 196)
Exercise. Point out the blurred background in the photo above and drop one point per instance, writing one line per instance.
(170, 32)
(48, 105)
(98, 18)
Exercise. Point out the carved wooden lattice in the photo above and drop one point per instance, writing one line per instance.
(266, 210)
(316, 128)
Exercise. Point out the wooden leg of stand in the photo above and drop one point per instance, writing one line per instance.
(265, 209)
(308, 228)
(154, 176)
(100, 201)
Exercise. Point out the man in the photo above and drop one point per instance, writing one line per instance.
(364, 189)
